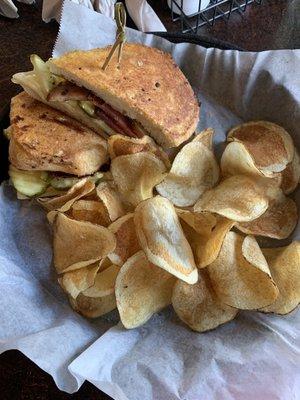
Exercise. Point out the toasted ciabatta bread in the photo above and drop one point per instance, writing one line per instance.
(45, 139)
(147, 86)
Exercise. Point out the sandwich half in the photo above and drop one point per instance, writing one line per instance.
(46, 143)
(146, 94)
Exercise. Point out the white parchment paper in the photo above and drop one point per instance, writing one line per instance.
(256, 356)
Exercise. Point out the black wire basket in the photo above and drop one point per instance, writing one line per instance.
(215, 10)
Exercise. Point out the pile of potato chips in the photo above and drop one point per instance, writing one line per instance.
(152, 233)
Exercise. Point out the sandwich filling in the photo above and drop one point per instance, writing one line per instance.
(45, 183)
(48, 87)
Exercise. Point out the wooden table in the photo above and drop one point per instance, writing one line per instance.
(261, 28)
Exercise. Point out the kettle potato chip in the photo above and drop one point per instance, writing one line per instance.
(238, 198)
(206, 246)
(77, 281)
(136, 175)
(93, 307)
(240, 275)
(77, 244)
(269, 145)
(202, 223)
(284, 264)
(206, 138)
(91, 211)
(198, 306)
(111, 200)
(162, 239)
(64, 203)
(277, 222)
(236, 160)
(127, 241)
(104, 283)
(194, 170)
(291, 175)
(142, 289)
(120, 145)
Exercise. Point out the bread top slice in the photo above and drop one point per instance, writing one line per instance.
(147, 86)
(45, 139)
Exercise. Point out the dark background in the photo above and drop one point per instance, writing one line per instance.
(269, 26)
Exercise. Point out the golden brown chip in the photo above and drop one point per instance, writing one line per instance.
(120, 145)
(284, 264)
(238, 198)
(205, 137)
(142, 289)
(110, 198)
(64, 203)
(77, 244)
(194, 170)
(104, 263)
(104, 283)
(206, 246)
(198, 306)
(136, 175)
(91, 211)
(202, 223)
(162, 239)
(93, 307)
(127, 241)
(209, 246)
(240, 275)
(291, 175)
(236, 160)
(269, 145)
(74, 282)
(51, 216)
(277, 222)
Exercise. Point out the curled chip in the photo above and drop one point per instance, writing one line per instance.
(142, 289)
(202, 223)
(206, 246)
(104, 263)
(51, 216)
(136, 175)
(238, 198)
(162, 239)
(127, 241)
(111, 200)
(277, 222)
(64, 203)
(284, 264)
(269, 145)
(104, 283)
(236, 160)
(77, 281)
(194, 170)
(77, 244)
(93, 307)
(91, 211)
(240, 275)
(120, 145)
(199, 307)
(206, 138)
(291, 175)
